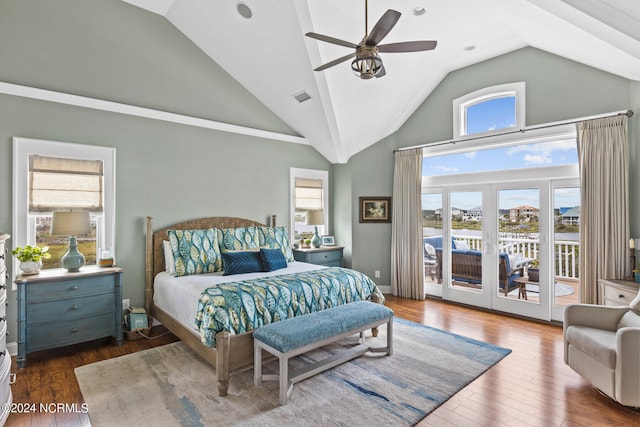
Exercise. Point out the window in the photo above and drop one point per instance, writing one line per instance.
(52, 176)
(489, 110)
(309, 192)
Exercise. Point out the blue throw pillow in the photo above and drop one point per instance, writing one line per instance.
(273, 259)
(241, 262)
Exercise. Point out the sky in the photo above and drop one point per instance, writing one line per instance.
(496, 114)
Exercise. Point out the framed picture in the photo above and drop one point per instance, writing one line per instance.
(375, 209)
(328, 241)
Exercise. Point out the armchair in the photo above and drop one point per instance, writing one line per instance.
(602, 344)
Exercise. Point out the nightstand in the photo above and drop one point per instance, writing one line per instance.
(329, 256)
(617, 292)
(57, 308)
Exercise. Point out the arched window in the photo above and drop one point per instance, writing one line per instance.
(489, 110)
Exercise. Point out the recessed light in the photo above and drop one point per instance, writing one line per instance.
(244, 10)
(419, 10)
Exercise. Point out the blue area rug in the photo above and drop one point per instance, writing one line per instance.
(171, 386)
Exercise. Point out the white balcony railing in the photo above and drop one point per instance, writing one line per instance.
(566, 252)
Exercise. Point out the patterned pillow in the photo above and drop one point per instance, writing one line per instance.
(195, 251)
(276, 238)
(272, 259)
(241, 262)
(237, 239)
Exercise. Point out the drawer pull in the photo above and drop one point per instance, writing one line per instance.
(3, 286)
(621, 296)
(74, 330)
(2, 256)
(12, 379)
(74, 307)
(3, 352)
(74, 288)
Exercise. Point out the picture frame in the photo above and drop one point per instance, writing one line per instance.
(328, 240)
(375, 209)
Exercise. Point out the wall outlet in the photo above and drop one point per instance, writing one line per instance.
(125, 304)
(377, 274)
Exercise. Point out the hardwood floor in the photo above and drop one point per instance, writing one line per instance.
(530, 387)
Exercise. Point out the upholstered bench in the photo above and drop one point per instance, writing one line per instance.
(291, 337)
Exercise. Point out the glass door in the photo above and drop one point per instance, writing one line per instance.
(523, 250)
(484, 243)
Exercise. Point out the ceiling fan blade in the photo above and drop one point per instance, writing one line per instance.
(331, 40)
(382, 72)
(382, 27)
(416, 46)
(335, 62)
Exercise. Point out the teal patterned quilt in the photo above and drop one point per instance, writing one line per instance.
(243, 306)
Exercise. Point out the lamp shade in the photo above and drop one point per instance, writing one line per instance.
(68, 223)
(315, 217)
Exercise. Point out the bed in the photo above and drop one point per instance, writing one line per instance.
(228, 349)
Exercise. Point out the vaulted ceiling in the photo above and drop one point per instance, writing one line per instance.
(270, 56)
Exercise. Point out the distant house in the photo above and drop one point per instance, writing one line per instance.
(526, 212)
(570, 216)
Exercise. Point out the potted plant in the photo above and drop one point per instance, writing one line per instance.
(533, 270)
(30, 258)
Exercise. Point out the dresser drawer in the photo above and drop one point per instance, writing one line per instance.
(56, 334)
(3, 255)
(324, 257)
(69, 288)
(5, 380)
(618, 295)
(65, 309)
(3, 279)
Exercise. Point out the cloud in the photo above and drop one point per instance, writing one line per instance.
(543, 153)
(537, 159)
(444, 168)
(470, 154)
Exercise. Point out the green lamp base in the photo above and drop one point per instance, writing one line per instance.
(73, 259)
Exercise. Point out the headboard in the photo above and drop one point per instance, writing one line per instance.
(154, 258)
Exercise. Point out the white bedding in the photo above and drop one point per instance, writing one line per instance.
(179, 296)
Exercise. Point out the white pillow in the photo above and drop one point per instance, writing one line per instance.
(169, 261)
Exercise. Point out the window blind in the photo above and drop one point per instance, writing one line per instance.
(57, 184)
(308, 194)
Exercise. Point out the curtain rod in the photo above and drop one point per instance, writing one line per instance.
(628, 113)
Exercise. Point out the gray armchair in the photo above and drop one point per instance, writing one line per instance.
(602, 343)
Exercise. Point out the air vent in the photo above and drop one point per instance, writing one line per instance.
(302, 96)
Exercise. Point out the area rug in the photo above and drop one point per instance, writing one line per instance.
(172, 386)
(560, 290)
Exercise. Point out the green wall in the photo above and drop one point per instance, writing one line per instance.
(556, 89)
(109, 50)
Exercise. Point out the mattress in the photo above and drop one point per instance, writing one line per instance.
(178, 296)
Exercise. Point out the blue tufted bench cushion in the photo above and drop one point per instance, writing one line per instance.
(291, 337)
(297, 332)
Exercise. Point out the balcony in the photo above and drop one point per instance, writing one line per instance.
(521, 250)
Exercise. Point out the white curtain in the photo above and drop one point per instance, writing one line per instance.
(604, 218)
(406, 238)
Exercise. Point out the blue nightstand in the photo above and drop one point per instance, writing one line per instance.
(57, 308)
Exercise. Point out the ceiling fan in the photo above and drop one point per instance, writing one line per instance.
(367, 62)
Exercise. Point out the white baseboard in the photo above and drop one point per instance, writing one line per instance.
(12, 348)
(385, 289)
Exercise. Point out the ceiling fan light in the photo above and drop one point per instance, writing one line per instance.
(366, 67)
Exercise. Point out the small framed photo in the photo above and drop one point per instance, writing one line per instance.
(375, 209)
(328, 241)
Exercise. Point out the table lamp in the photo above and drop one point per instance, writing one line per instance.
(315, 218)
(72, 224)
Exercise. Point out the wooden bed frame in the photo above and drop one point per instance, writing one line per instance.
(232, 352)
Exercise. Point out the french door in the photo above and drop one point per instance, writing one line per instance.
(483, 243)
